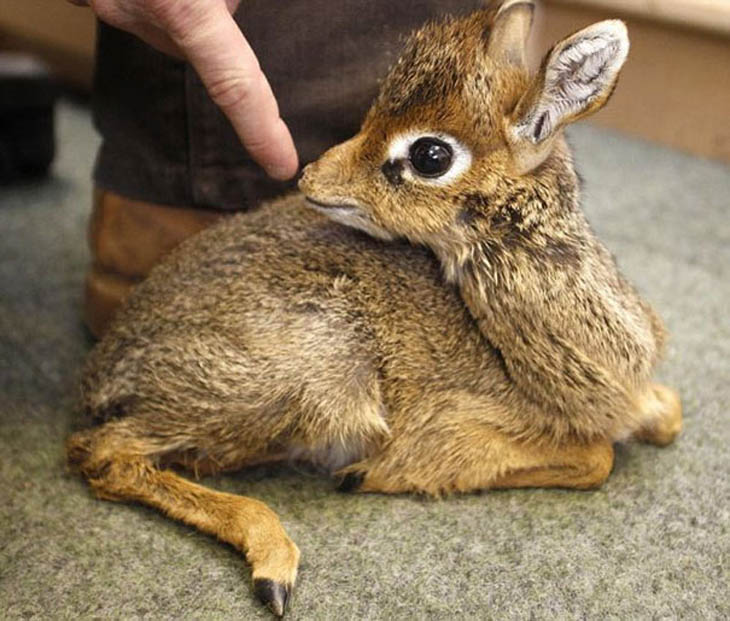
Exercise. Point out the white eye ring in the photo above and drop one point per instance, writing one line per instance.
(399, 149)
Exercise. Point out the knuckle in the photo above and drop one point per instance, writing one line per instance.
(180, 18)
(169, 13)
(233, 92)
(256, 146)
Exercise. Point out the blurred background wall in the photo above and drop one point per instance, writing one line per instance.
(675, 88)
(60, 33)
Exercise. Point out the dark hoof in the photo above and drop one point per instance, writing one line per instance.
(351, 482)
(273, 594)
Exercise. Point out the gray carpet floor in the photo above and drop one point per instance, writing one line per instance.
(653, 543)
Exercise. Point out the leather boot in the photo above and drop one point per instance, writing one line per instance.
(127, 238)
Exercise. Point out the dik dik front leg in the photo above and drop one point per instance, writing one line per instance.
(118, 467)
(476, 457)
(456, 455)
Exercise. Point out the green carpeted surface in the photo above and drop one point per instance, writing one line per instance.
(652, 543)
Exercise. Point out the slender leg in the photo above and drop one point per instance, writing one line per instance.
(664, 415)
(474, 457)
(576, 466)
(117, 468)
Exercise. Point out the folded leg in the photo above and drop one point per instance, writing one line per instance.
(663, 411)
(473, 457)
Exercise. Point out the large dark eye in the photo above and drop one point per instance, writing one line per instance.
(430, 157)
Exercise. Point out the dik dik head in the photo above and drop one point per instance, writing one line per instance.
(459, 116)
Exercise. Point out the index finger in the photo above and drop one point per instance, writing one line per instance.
(231, 73)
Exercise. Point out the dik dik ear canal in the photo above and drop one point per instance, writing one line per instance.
(510, 31)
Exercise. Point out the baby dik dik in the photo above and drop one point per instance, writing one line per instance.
(431, 314)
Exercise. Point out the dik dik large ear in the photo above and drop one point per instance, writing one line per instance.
(576, 79)
(510, 30)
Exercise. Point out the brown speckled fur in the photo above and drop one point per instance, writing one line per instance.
(488, 341)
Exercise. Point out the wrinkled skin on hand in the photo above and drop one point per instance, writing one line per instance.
(205, 34)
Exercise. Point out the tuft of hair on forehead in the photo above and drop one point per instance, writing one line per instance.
(435, 62)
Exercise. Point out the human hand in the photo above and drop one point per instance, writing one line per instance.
(204, 33)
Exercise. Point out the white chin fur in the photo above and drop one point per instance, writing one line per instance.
(400, 145)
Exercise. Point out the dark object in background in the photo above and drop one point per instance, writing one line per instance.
(27, 97)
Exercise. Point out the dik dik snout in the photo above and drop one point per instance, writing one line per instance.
(331, 176)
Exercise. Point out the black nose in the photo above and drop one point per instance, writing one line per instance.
(393, 171)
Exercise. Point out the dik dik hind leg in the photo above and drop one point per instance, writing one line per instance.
(477, 461)
(663, 411)
(119, 467)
